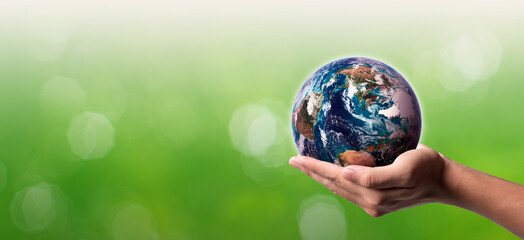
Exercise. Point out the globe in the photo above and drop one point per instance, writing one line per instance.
(356, 111)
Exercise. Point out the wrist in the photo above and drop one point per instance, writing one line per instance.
(452, 175)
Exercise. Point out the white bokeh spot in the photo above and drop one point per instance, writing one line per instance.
(91, 135)
(63, 94)
(37, 207)
(262, 133)
(253, 129)
(469, 58)
(322, 217)
(257, 131)
(134, 222)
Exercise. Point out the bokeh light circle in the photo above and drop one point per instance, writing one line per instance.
(37, 207)
(252, 129)
(63, 96)
(468, 58)
(133, 221)
(91, 135)
(258, 132)
(322, 217)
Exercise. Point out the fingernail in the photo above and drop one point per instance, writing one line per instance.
(294, 161)
(348, 174)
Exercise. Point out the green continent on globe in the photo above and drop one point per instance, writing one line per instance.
(356, 111)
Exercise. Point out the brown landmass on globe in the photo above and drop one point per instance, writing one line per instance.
(303, 122)
(362, 75)
(350, 157)
(379, 147)
(362, 72)
(366, 75)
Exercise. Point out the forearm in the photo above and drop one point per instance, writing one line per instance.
(496, 199)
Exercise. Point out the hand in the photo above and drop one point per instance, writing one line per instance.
(414, 178)
(418, 177)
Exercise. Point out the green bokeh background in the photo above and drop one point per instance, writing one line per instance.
(169, 78)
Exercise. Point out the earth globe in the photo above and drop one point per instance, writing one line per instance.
(356, 111)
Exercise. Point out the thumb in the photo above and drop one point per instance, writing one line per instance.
(373, 177)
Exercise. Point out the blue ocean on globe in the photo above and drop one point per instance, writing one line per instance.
(356, 111)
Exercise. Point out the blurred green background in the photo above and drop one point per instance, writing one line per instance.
(171, 119)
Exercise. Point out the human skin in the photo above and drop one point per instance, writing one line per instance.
(418, 177)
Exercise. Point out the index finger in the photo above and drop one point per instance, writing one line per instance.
(324, 169)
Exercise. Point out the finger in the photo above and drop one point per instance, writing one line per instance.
(330, 174)
(372, 200)
(338, 190)
(368, 199)
(321, 168)
(422, 146)
(364, 197)
(376, 177)
(348, 194)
